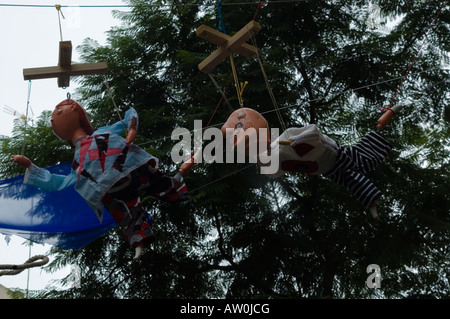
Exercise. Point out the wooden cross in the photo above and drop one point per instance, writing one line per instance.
(227, 45)
(65, 68)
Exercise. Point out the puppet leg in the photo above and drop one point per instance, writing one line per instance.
(134, 221)
(352, 162)
(369, 152)
(363, 189)
(149, 179)
(363, 156)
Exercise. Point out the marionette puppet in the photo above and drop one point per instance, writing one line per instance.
(108, 170)
(307, 150)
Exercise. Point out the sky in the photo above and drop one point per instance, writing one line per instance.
(29, 38)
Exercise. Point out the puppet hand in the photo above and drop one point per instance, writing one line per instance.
(131, 136)
(132, 133)
(21, 160)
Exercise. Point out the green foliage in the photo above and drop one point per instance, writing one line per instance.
(242, 235)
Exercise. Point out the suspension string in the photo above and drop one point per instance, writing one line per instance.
(221, 92)
(269, 88)
(236, 81)
(221, 28)
(220, 178)
(215, 110)
(260, 5)
(108, 89)
(211, 117)
(58, 8)
(26, 119)
(223, 97)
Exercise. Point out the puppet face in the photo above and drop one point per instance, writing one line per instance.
(246, 124)
(65, 120)
(70, 121)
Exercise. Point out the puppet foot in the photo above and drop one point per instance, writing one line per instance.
(139, 248)
(385, 119)
(373, 210)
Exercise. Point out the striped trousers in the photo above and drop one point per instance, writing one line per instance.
(354, 161)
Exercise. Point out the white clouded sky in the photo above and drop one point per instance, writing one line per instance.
(29, 37)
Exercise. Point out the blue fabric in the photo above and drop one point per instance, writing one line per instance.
(59, 218)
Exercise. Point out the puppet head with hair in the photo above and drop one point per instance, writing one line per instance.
(70, 121)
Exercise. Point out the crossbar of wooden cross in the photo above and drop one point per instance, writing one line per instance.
(227, 45)
(65, 69)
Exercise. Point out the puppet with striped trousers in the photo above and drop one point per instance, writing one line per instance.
(307, 150)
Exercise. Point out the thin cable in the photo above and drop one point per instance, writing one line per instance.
(58, 8)
(221, 178)
(131, 6)
(215, 110)
(236, 81)
(62, 6)
(221, 92)
(269, 88)
(108, 89)
(221, 28)
(26, 119)
(210, 118)
(260, 5)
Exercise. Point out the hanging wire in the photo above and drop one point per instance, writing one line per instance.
(9, 110)
(220, 178)
(150, 4)
(269, 87)
(220, 91)
(260, 5)
(217, 107)
(221, 28)
(22, 152)
(60, 14)
(236, 81)
(108, 89)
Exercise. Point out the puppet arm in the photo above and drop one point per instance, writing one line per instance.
(42, 178)
(132, 133)
(130, 122)
(22, 160)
